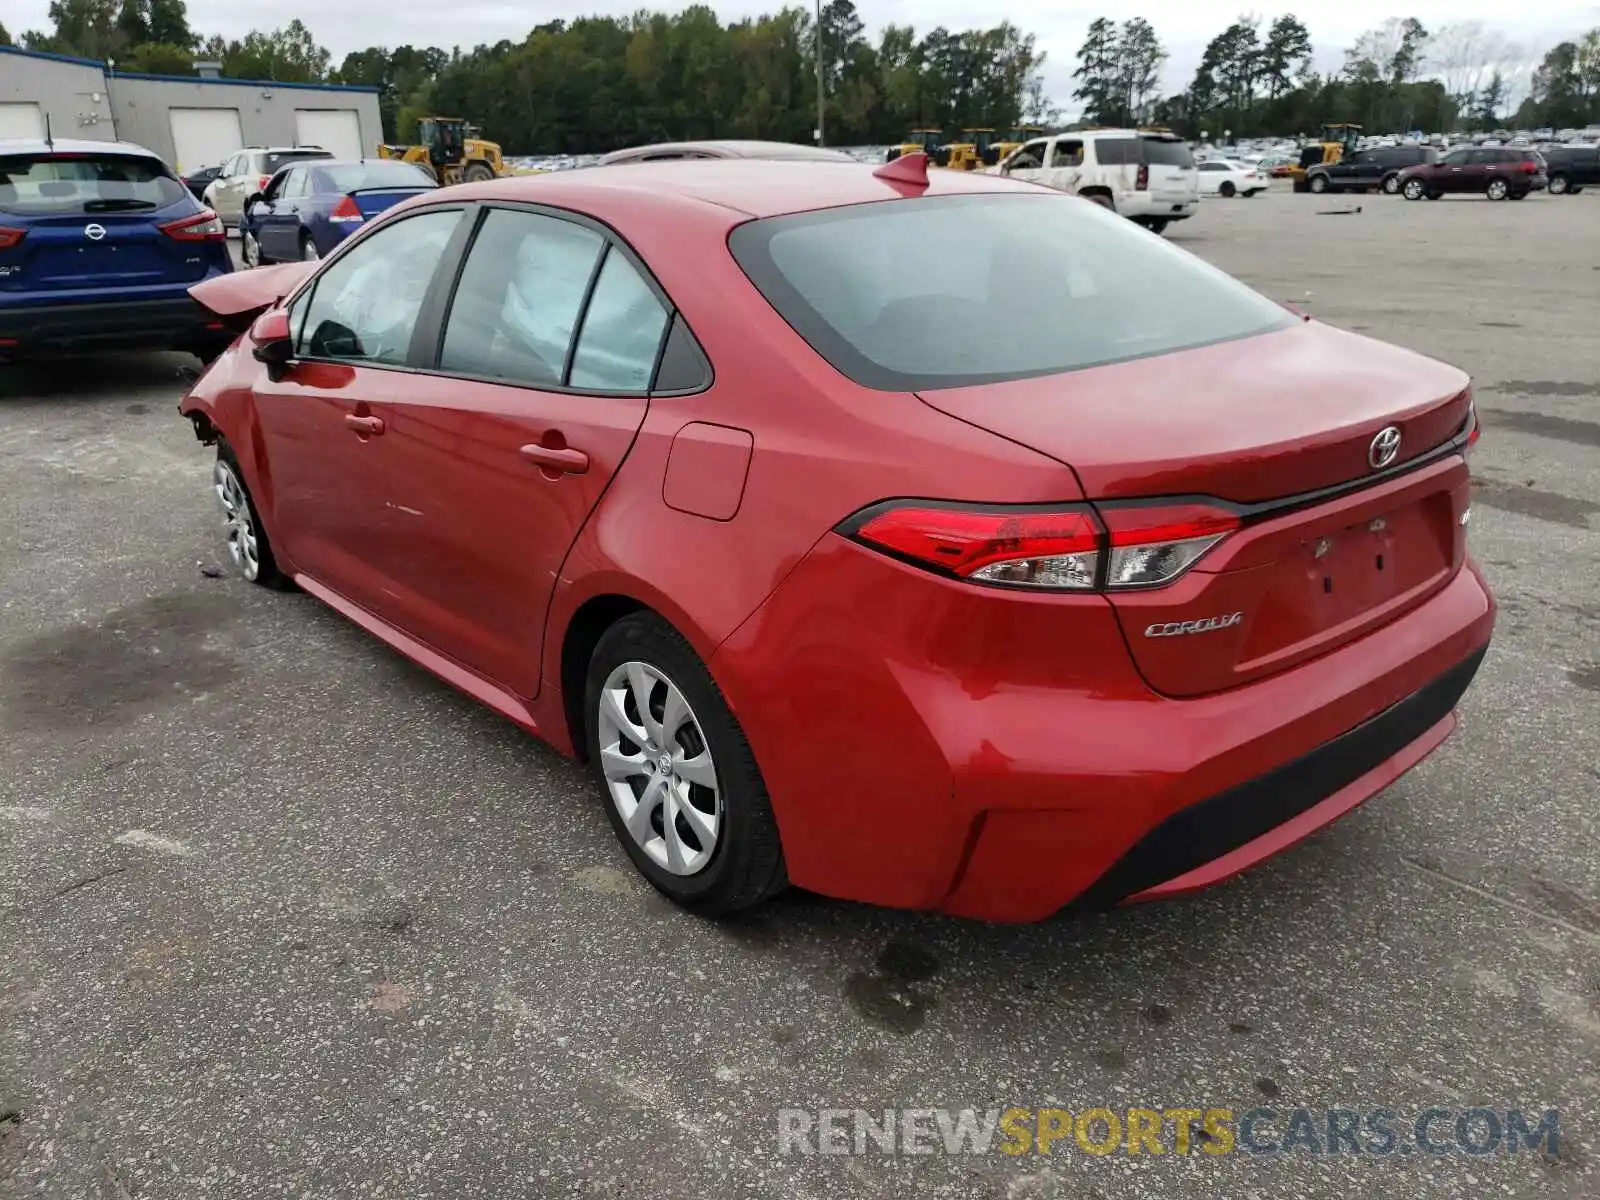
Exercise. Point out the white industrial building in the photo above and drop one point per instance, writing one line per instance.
(191, 121)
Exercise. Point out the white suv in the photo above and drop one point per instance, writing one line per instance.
(248, 172)
(1147, 177)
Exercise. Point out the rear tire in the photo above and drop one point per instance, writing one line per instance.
(249, 249)
(1103, 199)
(308, 249)
(1156, 224)
(1391, 184)
(642, 663)
(1559, 185)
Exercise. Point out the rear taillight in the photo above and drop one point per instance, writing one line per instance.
(1530, 168)
(1141, 181)
(1066, 547)
(345, 211)
(1474, 428)
(11, 237)
(1153, 544)
(261, 184)
(1019, 546)
(206, 227)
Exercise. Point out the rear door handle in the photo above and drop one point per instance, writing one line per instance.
(369, 425)
(565, 459)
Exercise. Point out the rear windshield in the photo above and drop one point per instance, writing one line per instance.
(1042, 284)
(268, 162)
(1166, 152)
(49, 184)
(350, 177)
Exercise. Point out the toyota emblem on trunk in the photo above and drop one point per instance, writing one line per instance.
(1384, 447)
(94, 232)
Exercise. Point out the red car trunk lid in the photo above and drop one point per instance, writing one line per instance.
(1264, 424)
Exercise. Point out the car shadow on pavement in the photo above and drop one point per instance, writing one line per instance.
(92, 377)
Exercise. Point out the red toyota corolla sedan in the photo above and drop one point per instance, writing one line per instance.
(930, 540)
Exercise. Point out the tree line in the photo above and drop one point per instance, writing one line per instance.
(1398, 77)
(598, 83)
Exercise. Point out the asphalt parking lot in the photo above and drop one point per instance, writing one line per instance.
(280, 914)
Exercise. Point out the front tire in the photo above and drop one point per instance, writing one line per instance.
(1318, 184)
(476, 173)
(1414, 189)
(308, 249)
(1156, 225)
(1558, 185)
(248, 545)
(680, 783)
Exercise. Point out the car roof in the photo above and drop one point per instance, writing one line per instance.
(729, 148)
(748, 186)
(71, 146)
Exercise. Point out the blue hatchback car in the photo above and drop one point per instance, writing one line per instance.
(310, 207)
(99, 245)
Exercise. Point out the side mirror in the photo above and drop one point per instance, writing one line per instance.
(270, 341)
(253, 200)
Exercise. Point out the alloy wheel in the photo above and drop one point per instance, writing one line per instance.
(1414, 189)
(1558, 185)
(658, 768)
(1497, 189)
(308, 251)
(1391, 185)
(238, 522)
(250, 251)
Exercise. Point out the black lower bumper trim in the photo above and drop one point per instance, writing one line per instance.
(172, 324)
(1210, 828)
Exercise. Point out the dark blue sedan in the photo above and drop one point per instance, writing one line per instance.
(310, 207)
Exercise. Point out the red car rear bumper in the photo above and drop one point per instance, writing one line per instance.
(995, 755)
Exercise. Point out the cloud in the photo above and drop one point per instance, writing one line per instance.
(1184, 27)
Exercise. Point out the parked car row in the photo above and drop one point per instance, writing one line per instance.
(1423, 172)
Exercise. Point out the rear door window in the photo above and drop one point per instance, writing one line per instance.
(517, 303)
(48, 185)
(1115, 152)
(622, 330)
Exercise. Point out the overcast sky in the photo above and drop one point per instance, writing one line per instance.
(1184, 25)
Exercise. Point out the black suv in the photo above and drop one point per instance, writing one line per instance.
(1571, 168)
(1363, 170)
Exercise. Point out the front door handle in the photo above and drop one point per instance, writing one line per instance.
(368, 425)
(551, 458)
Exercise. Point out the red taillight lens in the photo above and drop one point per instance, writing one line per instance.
(1141, 181)
(1153, 544)
(206, 227)
(261, 184)
(1064, 548)
(1026, 548)
(345, 210)
(11, 237)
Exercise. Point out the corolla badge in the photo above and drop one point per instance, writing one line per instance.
(1203, 625)
(94, 232)
(1384, 447)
